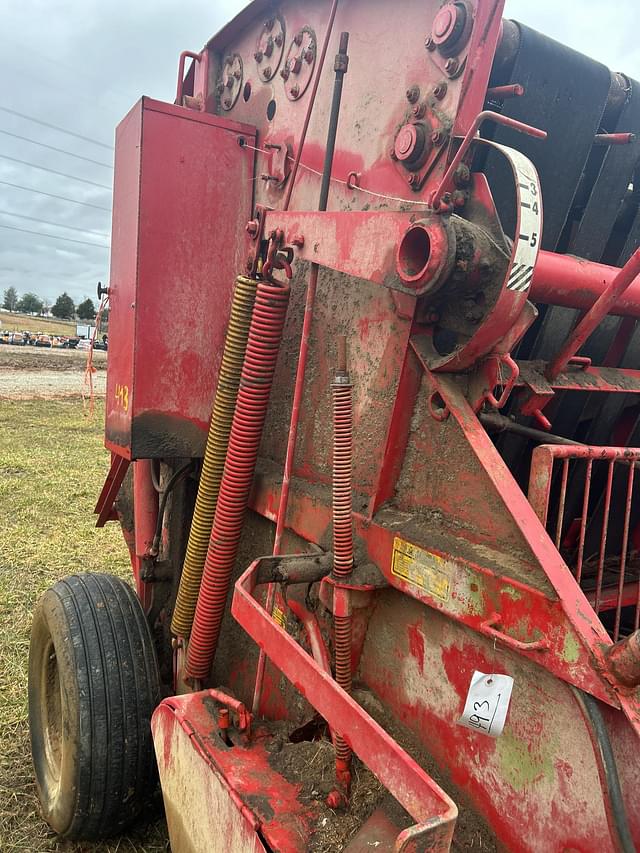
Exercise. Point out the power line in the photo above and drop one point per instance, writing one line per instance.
(54, 172)
(55, 224)
(53, 195)
(53, 148)
(54, 237)
(56, 127)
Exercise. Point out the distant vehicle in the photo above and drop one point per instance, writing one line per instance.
(17, 339)
(84, 344)
(43, 341)
(71, 343)
(4, 338)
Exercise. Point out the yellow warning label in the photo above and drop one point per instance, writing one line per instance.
(279, 616)
(421, 568)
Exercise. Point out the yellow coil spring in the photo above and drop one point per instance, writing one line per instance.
(215, 454)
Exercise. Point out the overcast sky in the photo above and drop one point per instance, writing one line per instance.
(81, 64)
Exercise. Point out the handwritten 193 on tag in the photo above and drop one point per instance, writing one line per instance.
(485, 709)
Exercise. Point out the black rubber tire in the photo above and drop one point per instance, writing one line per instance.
(93, 685)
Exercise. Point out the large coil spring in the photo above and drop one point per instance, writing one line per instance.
(265, 335)
(215, 454)
(342, 476)
(342, 530)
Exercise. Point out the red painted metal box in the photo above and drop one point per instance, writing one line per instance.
(178, 242)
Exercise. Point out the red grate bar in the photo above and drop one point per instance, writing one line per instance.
(595, 544)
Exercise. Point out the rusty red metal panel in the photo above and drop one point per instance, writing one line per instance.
(178, 243)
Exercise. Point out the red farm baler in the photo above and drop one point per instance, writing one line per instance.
(373, 408)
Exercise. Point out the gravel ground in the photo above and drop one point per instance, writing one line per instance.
(29, 372)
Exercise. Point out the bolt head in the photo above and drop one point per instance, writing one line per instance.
(228, 103)
(392, 154)
(278, 39)
(295, 91)
(308, 55)
(267, 71)
(413, 94)
(258, 55)
(295, 64)
(437, 137)
(220, 88)
(285, 73)
(429, 43)
(413, 179)
(462, 175)
(451, 66)
(440, 90)
(269, 24)
(298, 39)
(268, 48)
(229, 83)
(237, 75)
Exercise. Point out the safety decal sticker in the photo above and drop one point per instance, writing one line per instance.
(423, 569)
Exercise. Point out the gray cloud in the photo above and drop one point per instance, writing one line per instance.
(82, 65)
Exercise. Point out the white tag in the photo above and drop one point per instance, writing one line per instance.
(487, 703)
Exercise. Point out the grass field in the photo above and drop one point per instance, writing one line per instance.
(47, 325)
(52, 466)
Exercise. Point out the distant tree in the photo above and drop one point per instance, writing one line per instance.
(46, 305)
(64, 309)
(30, 304)
(87, 310)
(10, 299)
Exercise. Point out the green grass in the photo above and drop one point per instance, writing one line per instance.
(52, 467)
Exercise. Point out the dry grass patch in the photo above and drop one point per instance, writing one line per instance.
(52, 466)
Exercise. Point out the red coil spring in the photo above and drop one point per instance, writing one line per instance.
(342, 532)
(263, 344)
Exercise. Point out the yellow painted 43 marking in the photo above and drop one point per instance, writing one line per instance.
(122, 396)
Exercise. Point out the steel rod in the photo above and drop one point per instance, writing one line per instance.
(340, 70)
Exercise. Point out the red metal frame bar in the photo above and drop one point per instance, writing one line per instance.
(414, 789)
(594, 316)
(186, 54)
(115, 477)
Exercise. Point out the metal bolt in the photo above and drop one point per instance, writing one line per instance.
(295, 64)
(252, 227)
(285, 73)
(437, 137)
(237, 74)
(220, 88)
(258, 55)
(440, 90)
(418, 110)
(228, 103)
(295, 90)
(298, 39)
(392, 153)
(229, 82)
(267, 71)
(429, 43)
(269, 24)
(268, 49)
(298, 241)
(413, 94)
(278, 39)
(462, 175)
(413, 179)
(308, 55)
(451, 66)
